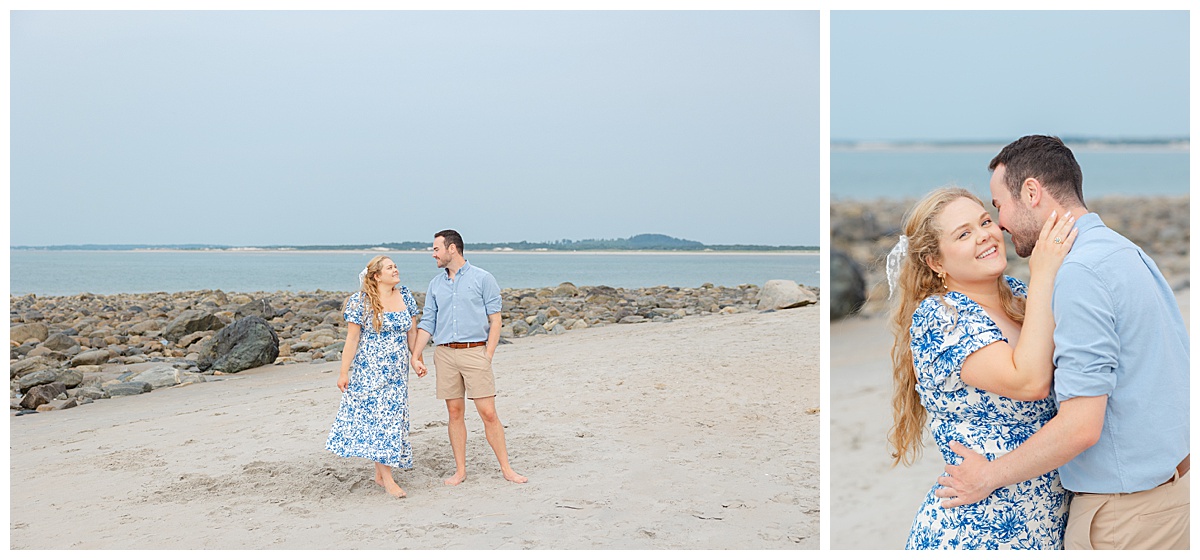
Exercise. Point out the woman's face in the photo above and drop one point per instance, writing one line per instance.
(388, 273)
(971, 244)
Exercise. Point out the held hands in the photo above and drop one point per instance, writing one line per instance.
(1055, 241)
(966, 483)
(418, 366)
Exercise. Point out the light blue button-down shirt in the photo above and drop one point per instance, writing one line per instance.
(457, 311)
(1118, 332)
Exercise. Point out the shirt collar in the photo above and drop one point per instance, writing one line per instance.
(1088, 221)
(466, 265)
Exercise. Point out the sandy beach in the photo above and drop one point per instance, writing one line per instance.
(701, 433)
(872, 504)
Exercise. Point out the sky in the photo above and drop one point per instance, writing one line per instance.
(278, 128)
(989, 75)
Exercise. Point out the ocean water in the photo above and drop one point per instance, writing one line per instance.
(113, 272)
(911, 172)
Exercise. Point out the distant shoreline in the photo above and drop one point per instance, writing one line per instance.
(468, 253)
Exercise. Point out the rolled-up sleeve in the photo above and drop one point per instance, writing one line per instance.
(429, 313)
(491, 295)
(1086, 345)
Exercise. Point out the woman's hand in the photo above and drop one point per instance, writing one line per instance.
(419, 367)
(343, 381)
(1055, 241)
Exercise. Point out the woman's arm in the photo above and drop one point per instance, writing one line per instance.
(1024, 372)
(353, 332)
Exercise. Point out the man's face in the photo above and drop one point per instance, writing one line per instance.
(1015, 216)
(441, 254)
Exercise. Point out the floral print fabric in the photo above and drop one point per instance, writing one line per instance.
(1027, 515)
(372, 420)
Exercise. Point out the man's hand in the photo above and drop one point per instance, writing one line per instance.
(968, 481)
(419, 367)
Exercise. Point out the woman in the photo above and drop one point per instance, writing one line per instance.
(372, 421)
(974, 351)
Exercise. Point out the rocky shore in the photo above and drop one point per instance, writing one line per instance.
(863, 232)
(70, 350)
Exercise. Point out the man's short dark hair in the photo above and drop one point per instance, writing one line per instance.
(451, 237)
(1046, 159)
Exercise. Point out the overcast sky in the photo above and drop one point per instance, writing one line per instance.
(987, 75)
(276, 128)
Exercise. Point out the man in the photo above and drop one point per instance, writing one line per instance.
(1121, 438)
(462, 315)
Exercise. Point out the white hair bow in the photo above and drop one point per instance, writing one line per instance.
(894, 259)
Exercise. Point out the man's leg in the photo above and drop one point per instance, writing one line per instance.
(457, 427)
(494, 431)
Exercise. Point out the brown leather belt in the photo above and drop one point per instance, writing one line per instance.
(461, 345)
(1181, 469)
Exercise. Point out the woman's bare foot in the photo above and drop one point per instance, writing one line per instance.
(393, 488)
(378, 479)
(456, 479)
(512, 476)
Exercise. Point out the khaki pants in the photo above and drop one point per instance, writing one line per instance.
(463, 372)
(1155, 519)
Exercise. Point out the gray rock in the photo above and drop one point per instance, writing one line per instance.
(42, 394)
(847, 287)
(158, 376)
(784, 294)
(126, 389)
(30, 380)
(257, 308)
(91, 358)
(189, 322)
(26, 331)
(30, 365)
(630, 319)
(243, 344)
(566, 289)
(60, 342)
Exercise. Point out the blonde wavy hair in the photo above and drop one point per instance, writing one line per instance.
(371, 288)
(916, 281)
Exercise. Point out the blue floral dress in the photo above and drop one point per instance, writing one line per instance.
(1027, 515)
(372, 420)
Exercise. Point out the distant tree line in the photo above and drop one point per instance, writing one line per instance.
(642, 242)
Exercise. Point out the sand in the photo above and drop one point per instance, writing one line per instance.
(701, 433)
(872, 504)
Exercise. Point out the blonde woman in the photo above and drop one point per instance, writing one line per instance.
(372, 420)
(973, 353)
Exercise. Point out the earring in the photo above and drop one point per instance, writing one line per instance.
(942, 277)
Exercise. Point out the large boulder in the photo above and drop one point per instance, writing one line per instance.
(42, 394)
(848, 288)
(189, 322)
(25, 331)
(784, 294)
(246, 343)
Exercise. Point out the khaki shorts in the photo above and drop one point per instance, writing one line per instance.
(463, 371)
(1154, 519)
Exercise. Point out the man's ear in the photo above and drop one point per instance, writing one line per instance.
(1032, 192)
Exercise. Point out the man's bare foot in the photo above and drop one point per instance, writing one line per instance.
(512, 476)
(393, 488)
(456, 479)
